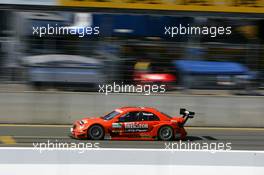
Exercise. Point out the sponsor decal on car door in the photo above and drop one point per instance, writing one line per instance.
(135, 127)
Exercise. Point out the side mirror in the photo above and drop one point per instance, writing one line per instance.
(121, 119)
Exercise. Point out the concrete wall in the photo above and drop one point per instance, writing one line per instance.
(129, 161)
(64, 108)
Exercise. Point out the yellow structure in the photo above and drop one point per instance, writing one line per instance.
(233, 6)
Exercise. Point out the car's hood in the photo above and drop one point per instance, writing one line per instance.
(91, 119)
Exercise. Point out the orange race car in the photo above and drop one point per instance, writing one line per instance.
(133, 123)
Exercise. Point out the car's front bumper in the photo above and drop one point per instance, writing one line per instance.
(77, 133)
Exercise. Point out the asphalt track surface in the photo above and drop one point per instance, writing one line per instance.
(12, 135)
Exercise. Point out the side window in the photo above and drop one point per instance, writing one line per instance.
(129, 117)
(148, 116)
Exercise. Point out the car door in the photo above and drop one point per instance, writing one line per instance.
(120, 128)
(149, 119)
(128, 125)
(135, 124)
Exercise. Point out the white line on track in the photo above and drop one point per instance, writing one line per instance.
(137, 149)
(225, 128)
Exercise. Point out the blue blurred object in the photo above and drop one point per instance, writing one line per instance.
(211, 67)
(64, 70)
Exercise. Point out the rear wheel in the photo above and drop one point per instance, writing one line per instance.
(96, 132)
(165, 133)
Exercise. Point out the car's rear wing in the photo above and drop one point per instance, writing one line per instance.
(186, 114)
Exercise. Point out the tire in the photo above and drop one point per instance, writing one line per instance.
(96, 132)
(165, 133)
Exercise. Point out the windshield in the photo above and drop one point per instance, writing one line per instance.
(111, 115)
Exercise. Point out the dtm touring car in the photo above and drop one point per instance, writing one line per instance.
(133, 123)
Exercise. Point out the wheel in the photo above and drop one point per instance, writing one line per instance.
(165, 133)
(96, 132)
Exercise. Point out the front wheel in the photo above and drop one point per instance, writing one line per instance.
(96, 132)
(165, 133)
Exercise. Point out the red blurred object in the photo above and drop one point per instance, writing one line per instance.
(154, 77)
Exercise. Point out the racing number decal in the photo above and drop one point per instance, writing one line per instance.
(136, 127)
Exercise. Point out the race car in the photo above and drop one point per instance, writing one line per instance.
(133, 123)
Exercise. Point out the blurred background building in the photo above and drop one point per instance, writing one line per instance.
(132, 47)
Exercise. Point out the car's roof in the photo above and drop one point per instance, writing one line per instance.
(134, 108)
